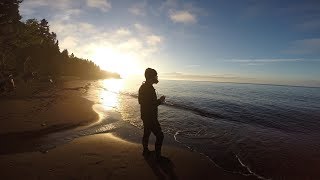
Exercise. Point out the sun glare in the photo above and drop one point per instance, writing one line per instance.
(109, 95)
(109, 59)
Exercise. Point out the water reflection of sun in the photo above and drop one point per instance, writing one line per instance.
(109, 95)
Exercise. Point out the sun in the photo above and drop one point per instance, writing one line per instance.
(123, 63)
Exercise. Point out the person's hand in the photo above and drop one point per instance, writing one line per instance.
(162, 99)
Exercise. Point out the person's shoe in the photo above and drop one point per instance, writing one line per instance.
(146, 152)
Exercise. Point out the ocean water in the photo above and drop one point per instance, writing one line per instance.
(269, 131)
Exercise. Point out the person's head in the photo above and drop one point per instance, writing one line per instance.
(151, 76)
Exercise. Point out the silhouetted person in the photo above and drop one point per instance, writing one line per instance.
(28, 74)
(27, 66)
(149, 112)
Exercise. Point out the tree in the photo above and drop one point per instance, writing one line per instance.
(9, 12)
(65, 53)
(9, 28)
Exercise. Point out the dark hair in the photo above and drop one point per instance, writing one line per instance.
(150, 73)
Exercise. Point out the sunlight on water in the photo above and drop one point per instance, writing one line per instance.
(110, 92)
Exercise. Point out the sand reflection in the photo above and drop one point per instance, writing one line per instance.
(109, 95)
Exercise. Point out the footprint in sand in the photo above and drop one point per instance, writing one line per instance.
(91, 154)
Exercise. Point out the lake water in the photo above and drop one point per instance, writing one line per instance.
(264, 130)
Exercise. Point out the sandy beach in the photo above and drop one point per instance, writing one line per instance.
(25, 118)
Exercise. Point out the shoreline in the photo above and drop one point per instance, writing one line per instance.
(104, 156)
(112, 155)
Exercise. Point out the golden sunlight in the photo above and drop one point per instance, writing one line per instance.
(112, 60)
(110, 94)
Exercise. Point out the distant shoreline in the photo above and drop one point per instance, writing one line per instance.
(263, 84)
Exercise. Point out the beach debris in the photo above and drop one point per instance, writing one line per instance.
(98, 162)
(43, 151)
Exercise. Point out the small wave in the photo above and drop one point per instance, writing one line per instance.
(58, 138)
(195, 110)
(249, 170)
(192, 109)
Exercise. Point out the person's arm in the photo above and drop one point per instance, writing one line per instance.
(161, 100)
(158, 102)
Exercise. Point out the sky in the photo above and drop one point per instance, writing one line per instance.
(261, 41)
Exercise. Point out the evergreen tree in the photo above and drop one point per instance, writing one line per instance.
(9, 30)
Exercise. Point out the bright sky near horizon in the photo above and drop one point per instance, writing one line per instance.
(265, 41)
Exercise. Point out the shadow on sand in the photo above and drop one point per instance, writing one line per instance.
(163, 169)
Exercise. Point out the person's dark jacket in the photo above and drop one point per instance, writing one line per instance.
(148, 102)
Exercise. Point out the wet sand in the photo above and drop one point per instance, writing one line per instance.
(107, 157)
(101, 156)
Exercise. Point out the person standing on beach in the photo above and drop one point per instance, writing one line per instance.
(149, 112)
(27, 66)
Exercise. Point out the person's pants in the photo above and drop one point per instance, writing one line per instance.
(154, 127)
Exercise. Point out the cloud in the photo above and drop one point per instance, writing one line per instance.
(64, 29)
(132, 44)
(169, 4)
(84, 39)
(60, 4)
(154, 40)
(103, 5)
(138, 9)
(67, 14)
(69, 42)
(259, 62)
(26, 11)
(59, 9)
(141, 28)
(263, 60)
(185, 12)
(192, 66)
(30, 7)
(123, 32)
(305, 46)
(182, 17)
